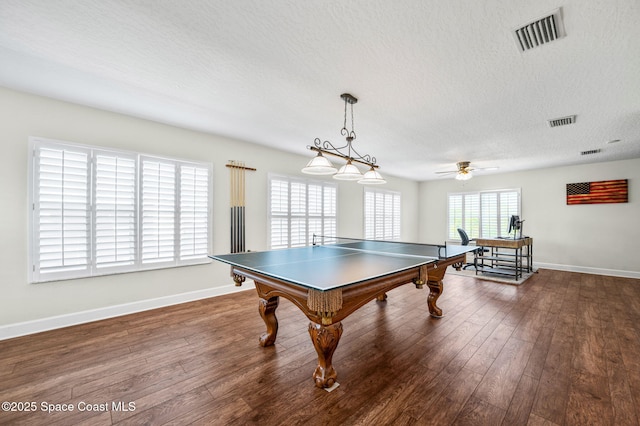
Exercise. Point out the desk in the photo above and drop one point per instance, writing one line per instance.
(503, 262)
(330, 282)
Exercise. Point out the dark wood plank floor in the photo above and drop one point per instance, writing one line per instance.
(562, 349)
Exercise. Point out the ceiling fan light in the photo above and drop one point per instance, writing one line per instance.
(348, 172)
(372, 177)
(319, 165)
(464, 175)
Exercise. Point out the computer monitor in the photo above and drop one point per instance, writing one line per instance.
(514, 224)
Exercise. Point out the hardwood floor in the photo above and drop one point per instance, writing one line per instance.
(562, 349)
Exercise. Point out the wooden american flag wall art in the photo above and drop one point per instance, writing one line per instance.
(606, 191)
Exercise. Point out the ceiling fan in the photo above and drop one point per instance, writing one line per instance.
(464, 170)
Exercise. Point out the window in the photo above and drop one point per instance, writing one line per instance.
(381, 214)
(298, 209)
(98, 211)
(482, 214)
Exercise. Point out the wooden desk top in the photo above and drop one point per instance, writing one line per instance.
(503, 242)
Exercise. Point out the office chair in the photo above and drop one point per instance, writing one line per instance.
(465, 242)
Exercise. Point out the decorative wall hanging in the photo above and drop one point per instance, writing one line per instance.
(602, 192)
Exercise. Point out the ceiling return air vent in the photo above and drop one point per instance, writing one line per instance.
(591, 151)
(541, 31)
(562, 121)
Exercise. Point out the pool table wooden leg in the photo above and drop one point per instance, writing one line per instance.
(267, 309)
(435, 290)
(325, 339)
(434, 281)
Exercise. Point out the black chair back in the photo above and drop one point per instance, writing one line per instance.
(463, 236)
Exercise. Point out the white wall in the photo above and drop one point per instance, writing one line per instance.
(595, 238)
(25, 115)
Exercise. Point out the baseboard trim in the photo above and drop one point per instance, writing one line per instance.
(59, 321)
(588, 270)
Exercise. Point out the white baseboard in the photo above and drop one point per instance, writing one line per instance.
(59, 321)
(588, 270)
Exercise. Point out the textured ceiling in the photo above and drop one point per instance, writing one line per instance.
(438, 81)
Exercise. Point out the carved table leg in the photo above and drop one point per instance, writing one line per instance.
(325, 339)
(267, 310)
(435, 289)
(381, 297)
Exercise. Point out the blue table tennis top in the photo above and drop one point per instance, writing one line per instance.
(326, 267)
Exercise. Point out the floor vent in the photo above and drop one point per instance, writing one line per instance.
(591, 151)
(540, 31)
(562, 121)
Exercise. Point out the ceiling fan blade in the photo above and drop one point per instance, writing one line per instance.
(464, 167)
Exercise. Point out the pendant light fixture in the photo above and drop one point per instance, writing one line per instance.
(320, 165)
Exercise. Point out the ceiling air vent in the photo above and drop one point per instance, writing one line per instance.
(562, 121)
(591, 151)
(541, 31)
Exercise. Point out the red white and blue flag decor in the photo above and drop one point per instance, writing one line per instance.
(606, 191)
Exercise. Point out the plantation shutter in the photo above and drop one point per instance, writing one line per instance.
(471, 220)
(397, 217)
(98, 211)
(299, 209)
(329, 211)
(482, 214)
(158, 188)
(314, 199)
(279, 211)
(115, 211)
(298, 224)
(369, 215)
(61, 213)
(509, 205)
(382, 215)
(489, 207)
(194, 212)
(455, 215)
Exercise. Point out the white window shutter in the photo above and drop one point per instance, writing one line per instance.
(298, 209)
(158, 216)
(482, 214)
(382, 214)
(509, 205)
(397, 217)
(369, 215)
(61, 213)
(279, 197)
(279, 211)
(194, 212)
(329, 207)
(115, 211)
(279, 232)
(489, 209)
(97, 211)
(471, 222)
(298, 199)
(455, 215)
(298, 223)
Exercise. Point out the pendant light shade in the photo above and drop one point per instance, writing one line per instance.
(372, 177)
(319, 165)
(348, 172)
